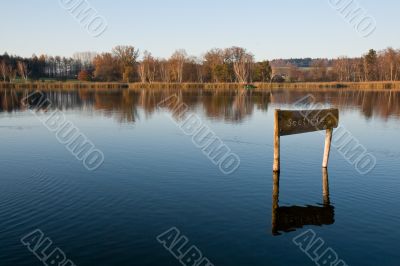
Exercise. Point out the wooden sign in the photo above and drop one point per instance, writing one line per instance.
(304, 121)
(297, 122)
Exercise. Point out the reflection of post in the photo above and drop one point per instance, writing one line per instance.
(328, 140)
(291, 218)
(276, 143)
(275, 203)
(325, 187)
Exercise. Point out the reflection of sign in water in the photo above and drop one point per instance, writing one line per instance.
(297, 122)
(287, 219)
(290, 218)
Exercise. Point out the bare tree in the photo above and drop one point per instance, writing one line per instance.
(142, 72)
(319, 70)
(150, 66)
(22, 70)
(358, 67)
(341, 69)
(127, 57)
(177, 62)
(85, 58)
(200, 68)
(12, 73)
(164, 67)
(242, 63)
(389, 64)
(4, 70)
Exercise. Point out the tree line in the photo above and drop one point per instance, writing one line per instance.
(373, 66)
(234, 64)
(44, 67)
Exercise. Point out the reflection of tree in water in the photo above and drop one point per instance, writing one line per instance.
(228, 105)
(9, 101)
(122, 105)
(65, 100)
(262, 101)
(148, 101)
(218, 104)
(371, 103)
(242, 105)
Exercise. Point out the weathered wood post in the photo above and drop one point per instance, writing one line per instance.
(328, 141)
(275, 203)
(277, 143)
(325, 187)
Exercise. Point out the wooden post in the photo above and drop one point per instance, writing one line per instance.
(275, 203)
(328, 140)
(277, 159)
(325, 187)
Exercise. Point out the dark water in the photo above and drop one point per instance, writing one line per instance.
(154, 178)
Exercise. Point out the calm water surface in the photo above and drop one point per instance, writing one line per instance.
(154, 178)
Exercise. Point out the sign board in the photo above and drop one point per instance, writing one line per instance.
(297, 122)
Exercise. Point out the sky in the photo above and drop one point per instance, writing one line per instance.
(269, 29)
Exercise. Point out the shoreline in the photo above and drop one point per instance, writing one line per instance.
(205, 86)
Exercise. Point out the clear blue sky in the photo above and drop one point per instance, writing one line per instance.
(268, 28)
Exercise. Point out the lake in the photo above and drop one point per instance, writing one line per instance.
(154, 177)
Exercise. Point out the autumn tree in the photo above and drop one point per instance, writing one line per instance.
(84, 75)
(213, 64)
(127, 57)
(219, 66)
(223, 73)
(107, 67)
(319, 69)
(233, 64)
(262, 71)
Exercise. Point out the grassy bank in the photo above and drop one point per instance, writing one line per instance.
(64, 85)
(205, 86)
(271, 86)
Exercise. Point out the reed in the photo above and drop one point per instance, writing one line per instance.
(204, 86)
(63, 85)
(270, 86)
